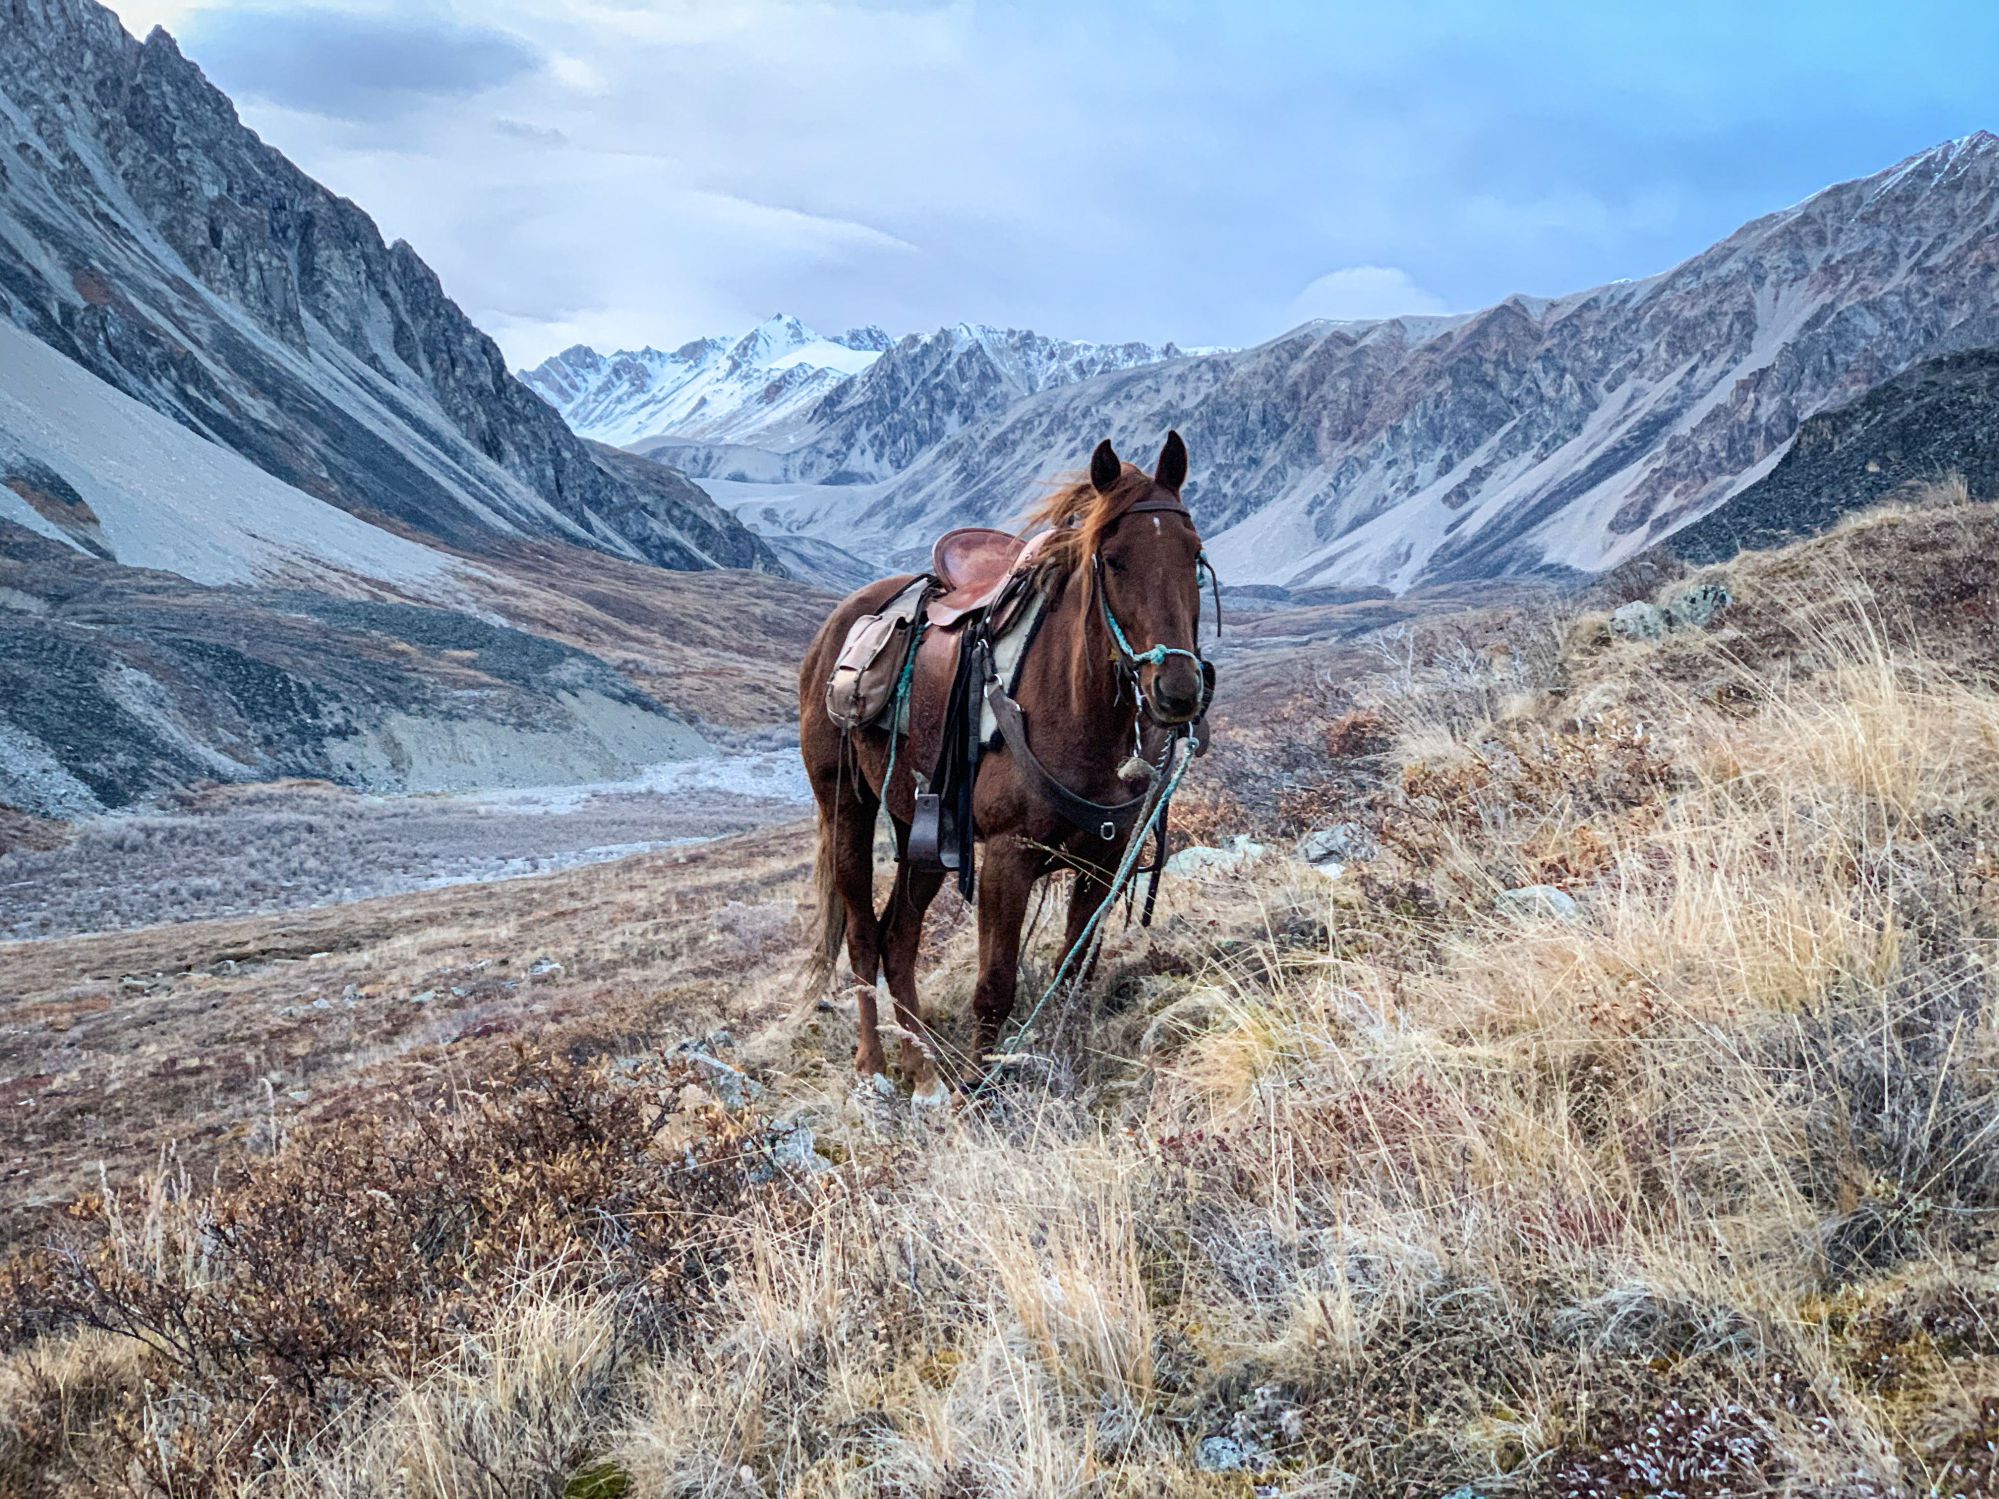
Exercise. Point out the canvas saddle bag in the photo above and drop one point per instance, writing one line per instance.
(871, 660)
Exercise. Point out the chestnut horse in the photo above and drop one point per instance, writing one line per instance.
(1102, 563)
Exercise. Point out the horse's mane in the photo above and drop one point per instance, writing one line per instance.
(1076, 514)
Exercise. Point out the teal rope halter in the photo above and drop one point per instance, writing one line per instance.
(1158, 655)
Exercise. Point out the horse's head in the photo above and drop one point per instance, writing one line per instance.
(1146, 564)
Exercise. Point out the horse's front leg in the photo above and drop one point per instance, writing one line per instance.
(902, 932)
(1086, 898)
(1011, 868)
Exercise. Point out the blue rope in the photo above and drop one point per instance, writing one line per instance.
(1091, 938)
(1154, 657)
(896, 700)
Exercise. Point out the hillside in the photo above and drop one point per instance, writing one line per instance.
(151, 238)
(270, 506)
(170, 614)
(1935, 420)
(1616, 1118)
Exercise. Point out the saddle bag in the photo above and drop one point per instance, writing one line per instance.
(862, 685)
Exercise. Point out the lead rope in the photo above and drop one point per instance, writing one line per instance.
(1091, 938)
(898, 698)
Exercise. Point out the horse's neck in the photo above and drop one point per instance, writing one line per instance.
(1085, 723)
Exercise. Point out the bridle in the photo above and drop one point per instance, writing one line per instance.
(1127, 660)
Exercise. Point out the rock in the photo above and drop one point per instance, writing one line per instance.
(1639, 621)
(322, 1004)
(1224, 1454)
(1203, 862)
(424, 998)
(1538, 901)
(794, 1148)
(1343, 843)
(732, 1088)
(543, 968)
(1694, 607)
(1691, 608)
(223, 969)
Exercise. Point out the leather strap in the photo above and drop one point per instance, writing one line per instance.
(1079, 811)
(1158, 869)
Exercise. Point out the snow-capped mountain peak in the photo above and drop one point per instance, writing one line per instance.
(725, 389)
(784, 388)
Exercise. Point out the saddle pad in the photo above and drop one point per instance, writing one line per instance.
(1009, 654)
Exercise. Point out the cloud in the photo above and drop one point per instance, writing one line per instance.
(1358, 292)
(646, 171)
(351, 65)
(535, 135)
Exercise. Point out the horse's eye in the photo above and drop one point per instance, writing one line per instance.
(1114, 564)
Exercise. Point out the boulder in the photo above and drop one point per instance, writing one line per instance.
(1226, 1454)
(1694, 607)
(1537, 901)
(1639, 621)
(1203, 862)
(1342, 843)
(1691, 608)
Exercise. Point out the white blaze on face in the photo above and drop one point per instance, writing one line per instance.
(1155, 523)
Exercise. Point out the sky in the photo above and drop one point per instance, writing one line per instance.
(624, 173)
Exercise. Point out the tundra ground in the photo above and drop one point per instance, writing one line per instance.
(1620, 1119)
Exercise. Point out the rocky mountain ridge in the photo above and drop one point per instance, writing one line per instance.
(784, 401)
(149, 236)
(712, 389)
(1541, 435)
(1934, 424)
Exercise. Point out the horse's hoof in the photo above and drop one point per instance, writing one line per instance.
(878, 1083)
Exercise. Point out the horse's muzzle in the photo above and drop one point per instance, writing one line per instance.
(1176, 694)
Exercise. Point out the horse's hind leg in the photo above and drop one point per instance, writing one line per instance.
(901, 932)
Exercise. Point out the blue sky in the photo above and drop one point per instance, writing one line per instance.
(623, 173)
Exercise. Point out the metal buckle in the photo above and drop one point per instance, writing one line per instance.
(1108, 832)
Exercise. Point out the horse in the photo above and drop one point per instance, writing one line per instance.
(1120, 568)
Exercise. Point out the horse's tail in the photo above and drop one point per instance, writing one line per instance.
(829, 912)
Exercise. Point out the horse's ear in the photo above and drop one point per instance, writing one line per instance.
(1105, 466)
(1172, 470)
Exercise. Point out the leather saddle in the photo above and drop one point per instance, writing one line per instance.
(971, 565)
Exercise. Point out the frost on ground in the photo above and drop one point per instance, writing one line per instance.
(293, 845)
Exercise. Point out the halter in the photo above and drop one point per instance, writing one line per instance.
(1130, 660)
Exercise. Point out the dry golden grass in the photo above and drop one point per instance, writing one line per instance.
(1369, 1186)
